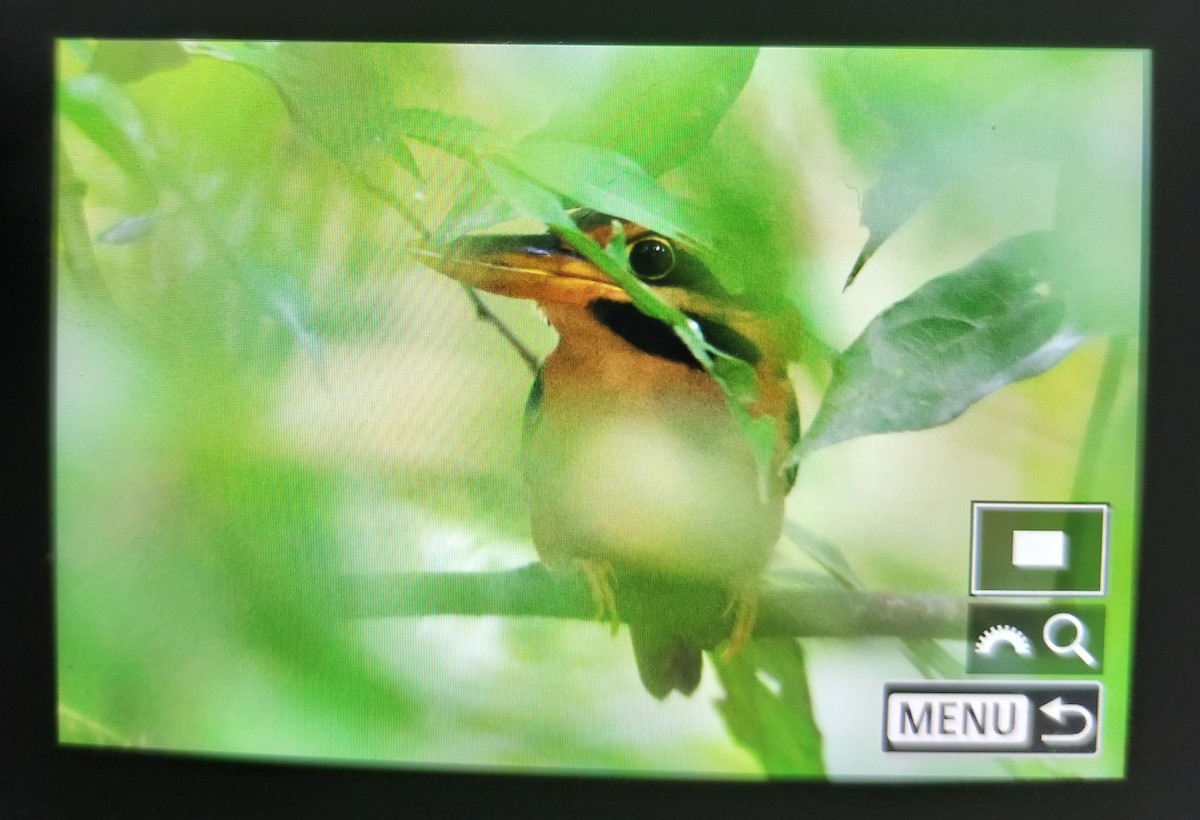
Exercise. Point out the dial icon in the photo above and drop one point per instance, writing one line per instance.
(994, 636)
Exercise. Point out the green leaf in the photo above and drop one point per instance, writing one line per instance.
(81, 50)
(931, 660)
(128, 60)
(538, 202)
(618, 246)
(889, 203)
(403, 156)
(768, 708)
(655, 106)
(964, 335)
(737, 377)
(913, 155)
(608, 182)
(924, 120)
(339, 96)
(74, 727)
(461, 136)
(825, 553)
(527, 196)
(475, 207)
(106, 116)
(739, 382)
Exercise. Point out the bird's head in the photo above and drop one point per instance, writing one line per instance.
(545, 268)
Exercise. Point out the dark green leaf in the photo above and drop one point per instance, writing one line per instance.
(964, 335)
(129, 60)
(656, 106)
(768, 709)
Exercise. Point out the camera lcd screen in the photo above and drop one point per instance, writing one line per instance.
(627, 411)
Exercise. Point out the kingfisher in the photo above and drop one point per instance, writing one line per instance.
(634, 462)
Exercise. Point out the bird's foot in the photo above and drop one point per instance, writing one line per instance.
(743, 603)
(602, 579)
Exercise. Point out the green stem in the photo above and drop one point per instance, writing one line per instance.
(78, 253)
(484, 314)
(1101, 412)
(482, 311)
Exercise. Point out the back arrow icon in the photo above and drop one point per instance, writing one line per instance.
(1059, 712)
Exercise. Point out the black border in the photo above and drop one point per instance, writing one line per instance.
(42, 780)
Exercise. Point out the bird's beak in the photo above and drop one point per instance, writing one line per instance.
(536, 266)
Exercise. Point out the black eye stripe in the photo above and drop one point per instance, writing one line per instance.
(658, 339)
(646, 333)
(725, 338)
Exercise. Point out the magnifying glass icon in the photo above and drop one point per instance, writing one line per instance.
(1054, 628)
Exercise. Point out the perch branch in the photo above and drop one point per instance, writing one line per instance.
(532, 591)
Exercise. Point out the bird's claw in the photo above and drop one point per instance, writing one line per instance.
(602, 579)
(743, 603)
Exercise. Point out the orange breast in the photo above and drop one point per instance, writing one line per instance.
(637, 459)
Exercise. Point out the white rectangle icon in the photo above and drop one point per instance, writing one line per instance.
(958, 721)
(1040, 549)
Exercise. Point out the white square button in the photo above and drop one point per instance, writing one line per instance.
(1040, 549)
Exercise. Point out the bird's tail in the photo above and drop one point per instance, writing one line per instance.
(665, 661)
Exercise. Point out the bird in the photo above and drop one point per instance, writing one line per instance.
(634, 462)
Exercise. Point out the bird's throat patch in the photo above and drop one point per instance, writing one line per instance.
(657, 338)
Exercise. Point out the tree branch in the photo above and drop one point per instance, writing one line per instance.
(485, 314)
(532, 591)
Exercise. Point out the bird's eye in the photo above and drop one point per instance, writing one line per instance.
(651, 259)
